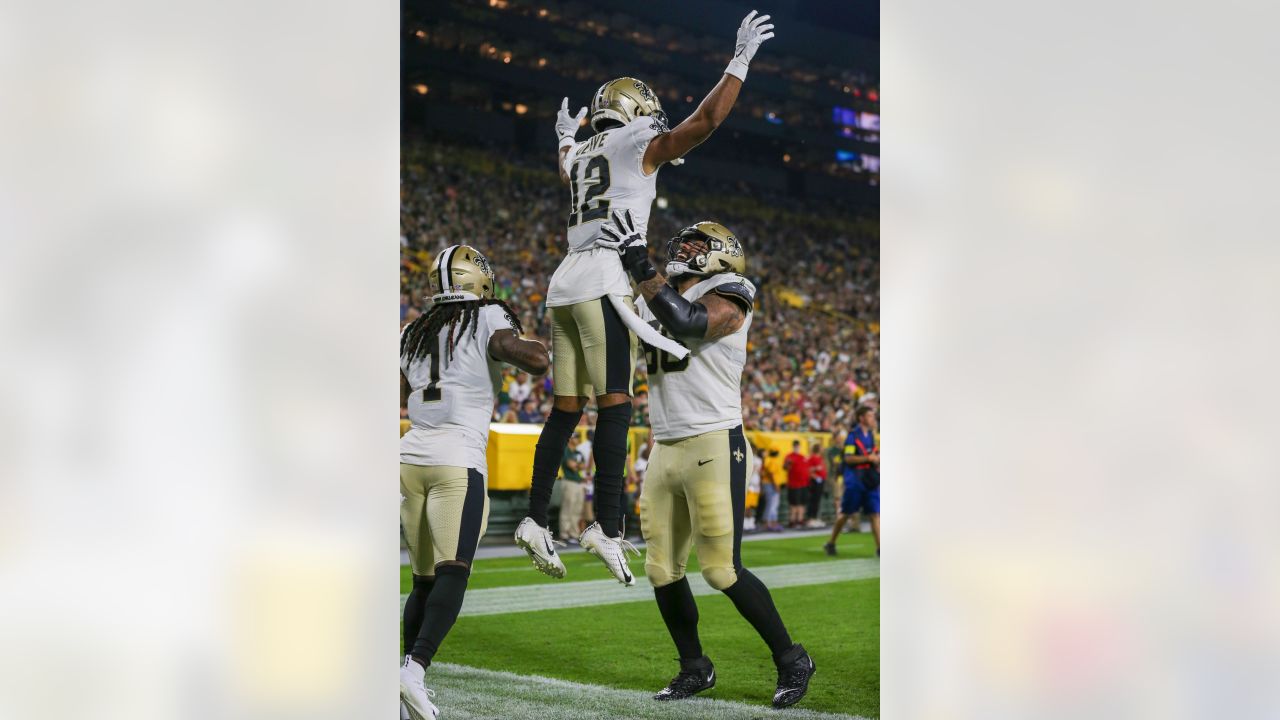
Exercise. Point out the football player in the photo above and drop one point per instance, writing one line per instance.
(593, 323)
(695, 487)
(450, 361)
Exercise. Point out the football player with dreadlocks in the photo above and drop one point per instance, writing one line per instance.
(593, 321)
(695, 487)
(450, 362)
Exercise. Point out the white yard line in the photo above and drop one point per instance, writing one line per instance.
(465, 693)
(529, 598)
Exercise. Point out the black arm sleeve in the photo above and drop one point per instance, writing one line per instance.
(685, 320)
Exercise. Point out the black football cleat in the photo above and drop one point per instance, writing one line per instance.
(795, 667)
(695, 676)
(830, 549)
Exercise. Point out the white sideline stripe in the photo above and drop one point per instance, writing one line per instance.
(530, 598)
(468, 692)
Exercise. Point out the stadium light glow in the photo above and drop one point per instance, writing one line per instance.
(521, 108)
(421, 89)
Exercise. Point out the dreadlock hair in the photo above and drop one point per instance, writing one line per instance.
(420, 336)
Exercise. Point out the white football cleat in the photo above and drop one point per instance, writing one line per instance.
(414, 696)
(611, 551)
(536, 540)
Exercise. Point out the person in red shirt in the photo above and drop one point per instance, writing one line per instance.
(797, 467)
(817, 484)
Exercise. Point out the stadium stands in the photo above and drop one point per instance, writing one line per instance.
(793, 171)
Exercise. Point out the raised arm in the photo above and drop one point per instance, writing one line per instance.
(715, 107)
(528, 355)
(566, 128)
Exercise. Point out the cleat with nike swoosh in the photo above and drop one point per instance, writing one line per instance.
(536, 540)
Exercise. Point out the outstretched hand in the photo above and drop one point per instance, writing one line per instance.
(751, 33)
(622, 236)
(566, 124)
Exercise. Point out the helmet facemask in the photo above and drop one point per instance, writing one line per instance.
(704, 249)
(687, 253)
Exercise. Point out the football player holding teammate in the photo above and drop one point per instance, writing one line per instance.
(695, 487)
(593, 321)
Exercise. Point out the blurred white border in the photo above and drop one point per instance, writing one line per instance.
(198, 277)
(1081, 287)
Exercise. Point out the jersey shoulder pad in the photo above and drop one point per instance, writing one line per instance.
(644, 128)
(737, 287)
(497, 318)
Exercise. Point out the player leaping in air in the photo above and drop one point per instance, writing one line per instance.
(695, 487)
(593, 323)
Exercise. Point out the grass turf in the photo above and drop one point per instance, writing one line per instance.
(627, 646)
(509, 571)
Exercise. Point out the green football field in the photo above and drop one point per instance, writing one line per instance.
(592, 648)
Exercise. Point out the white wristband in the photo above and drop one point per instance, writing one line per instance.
(566, 141)
(737, 68)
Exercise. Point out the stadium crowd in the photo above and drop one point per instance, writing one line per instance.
(814, 343)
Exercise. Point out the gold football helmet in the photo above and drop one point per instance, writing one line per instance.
(460, 273)
(624, 100)
(706, 248)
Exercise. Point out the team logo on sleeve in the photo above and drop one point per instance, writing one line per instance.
(737, 455)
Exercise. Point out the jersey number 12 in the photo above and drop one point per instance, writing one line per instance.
(585, 203)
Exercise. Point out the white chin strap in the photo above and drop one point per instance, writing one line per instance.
(676, 268)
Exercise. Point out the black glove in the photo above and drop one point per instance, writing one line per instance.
(630, 244)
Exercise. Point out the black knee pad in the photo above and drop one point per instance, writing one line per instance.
(421, 582)
(449, 569)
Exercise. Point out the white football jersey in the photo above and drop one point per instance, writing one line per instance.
(606, 175)
(702, 392)
(452, 399)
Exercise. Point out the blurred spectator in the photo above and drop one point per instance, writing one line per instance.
(520, 389)
(573, 494)
(817, 485)
(529, 413)
(797, 466)
(770, 494)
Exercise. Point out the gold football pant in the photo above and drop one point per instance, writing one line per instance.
(693, 497)
(444, 511)
(593, 351)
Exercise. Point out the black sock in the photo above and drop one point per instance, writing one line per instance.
(755, 604)
(547, 458)
(680, 613)
(610, 450)
(414, 607)
(443, 605)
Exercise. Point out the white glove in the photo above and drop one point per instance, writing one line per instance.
(751, 33)
(566, 124)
